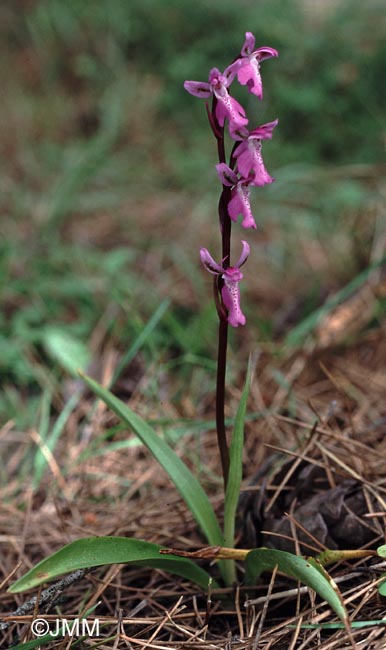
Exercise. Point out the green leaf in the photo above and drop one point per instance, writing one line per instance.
(232, 492)
(381, 550)
(186, 483)
(340, 626)
(382, 586)
(98, 551)
(308, 571)
(50, 440)
(35, 643)
(141, 339)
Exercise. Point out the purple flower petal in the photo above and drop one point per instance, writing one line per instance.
(250, 164)
(209, 262)
(263, 53)
(248, 69)
(230, 72)
(217, 79)
(229, 108)
(249, 75)
(249, 44)
(227, 176)
(231, 276)
(264, 132)
(239, 204)
(244, 254)
(198, 88)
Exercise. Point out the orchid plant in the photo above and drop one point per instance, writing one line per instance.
(243, 170)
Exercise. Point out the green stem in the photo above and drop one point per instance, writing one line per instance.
(220, 398)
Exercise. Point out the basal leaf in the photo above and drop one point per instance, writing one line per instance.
(382, 585)
(97, 551)
(307, 571)
(381, 550)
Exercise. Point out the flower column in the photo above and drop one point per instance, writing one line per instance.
(244, 170)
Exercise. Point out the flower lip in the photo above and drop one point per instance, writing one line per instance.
(240, 204)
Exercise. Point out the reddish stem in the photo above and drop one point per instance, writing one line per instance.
(225, 228)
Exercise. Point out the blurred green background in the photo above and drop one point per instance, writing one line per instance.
(108, 187)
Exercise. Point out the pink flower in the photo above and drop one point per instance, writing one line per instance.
(227, 107)
(247, 66)
(240, 201)
(240, 204)
(231, 276)
(250, 162)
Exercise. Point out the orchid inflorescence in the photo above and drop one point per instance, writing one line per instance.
(245, 169)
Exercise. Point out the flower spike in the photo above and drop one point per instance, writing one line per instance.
(238, 172)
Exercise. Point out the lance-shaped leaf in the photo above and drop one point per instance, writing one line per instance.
(306, 570)
(97, 551)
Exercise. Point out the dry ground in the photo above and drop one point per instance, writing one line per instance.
(123, 493)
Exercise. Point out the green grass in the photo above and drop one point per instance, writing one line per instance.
(107, 186)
